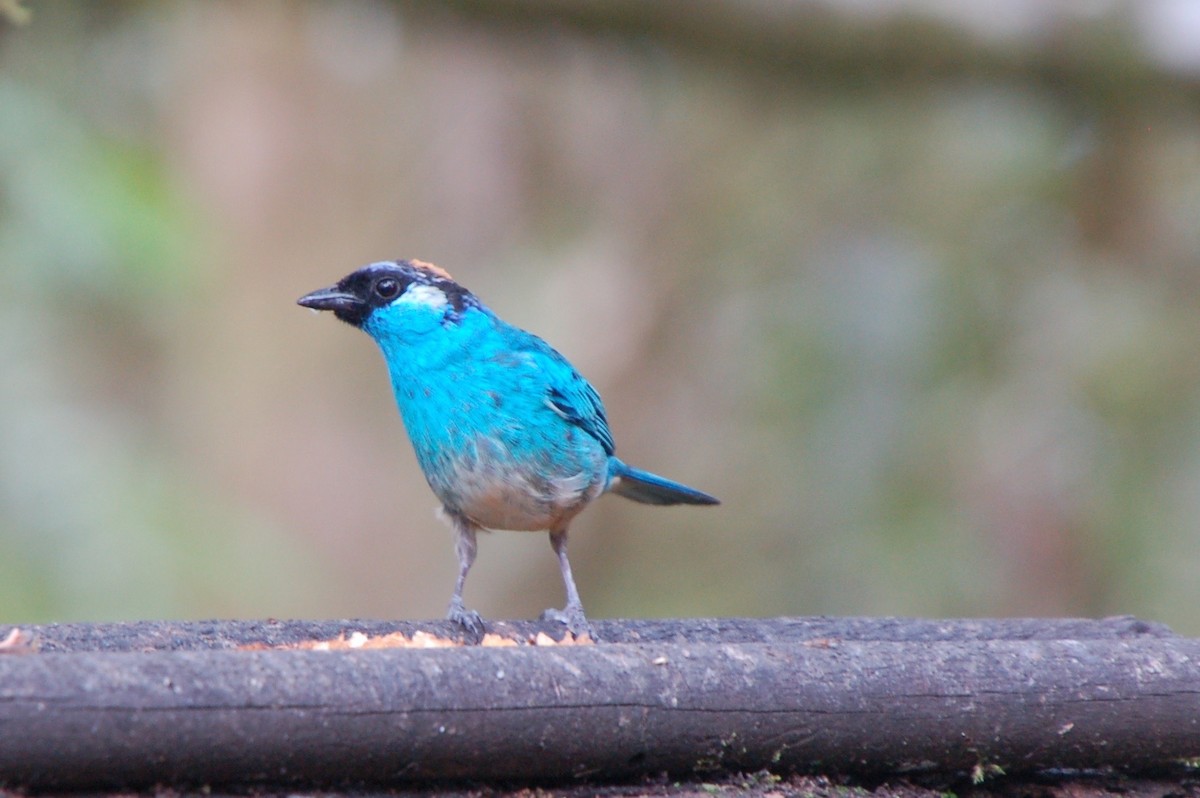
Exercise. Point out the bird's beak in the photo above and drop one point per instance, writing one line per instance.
(332, 298)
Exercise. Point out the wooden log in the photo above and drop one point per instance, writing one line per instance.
(1122, 693)
(181, 635)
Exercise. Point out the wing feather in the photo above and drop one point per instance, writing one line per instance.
(578, 403)
(568, 394)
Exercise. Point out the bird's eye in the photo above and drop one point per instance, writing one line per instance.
(387, 288)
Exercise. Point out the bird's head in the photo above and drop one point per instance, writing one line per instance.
(392, 288)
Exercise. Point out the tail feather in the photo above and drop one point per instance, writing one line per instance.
(647, 488)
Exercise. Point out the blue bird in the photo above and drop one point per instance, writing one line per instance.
(508, 433)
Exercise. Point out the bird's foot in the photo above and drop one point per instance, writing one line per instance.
(469, 620)
(573, 618)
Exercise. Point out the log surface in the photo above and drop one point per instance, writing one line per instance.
(130, 705)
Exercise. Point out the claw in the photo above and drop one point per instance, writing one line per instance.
(573, 618)
(469, 620)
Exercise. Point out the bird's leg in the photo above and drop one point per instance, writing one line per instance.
(464, 547)
(572, 614)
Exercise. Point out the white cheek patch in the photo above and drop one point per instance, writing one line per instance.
(423, 295)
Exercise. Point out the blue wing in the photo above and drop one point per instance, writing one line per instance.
(577, 402)
(568, 394)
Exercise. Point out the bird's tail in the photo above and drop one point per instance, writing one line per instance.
(647, 488)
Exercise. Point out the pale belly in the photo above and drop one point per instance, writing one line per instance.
(519, 507)
(495, 494)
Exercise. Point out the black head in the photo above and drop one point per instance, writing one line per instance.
(359, 293)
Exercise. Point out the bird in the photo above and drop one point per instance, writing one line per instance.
(507, 432)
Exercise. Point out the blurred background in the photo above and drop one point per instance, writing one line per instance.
(912, 285)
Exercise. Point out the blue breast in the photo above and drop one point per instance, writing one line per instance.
(476, 396)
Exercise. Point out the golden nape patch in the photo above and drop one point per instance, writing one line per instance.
(432, 268)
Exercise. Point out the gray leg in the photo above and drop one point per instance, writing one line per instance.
(464, 547)
(572, 614)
